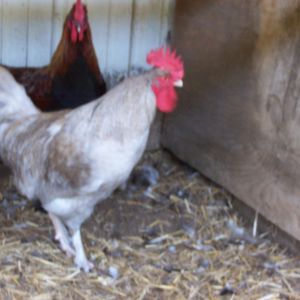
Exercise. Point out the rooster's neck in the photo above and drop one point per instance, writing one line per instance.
(68, 53)
(131, 107)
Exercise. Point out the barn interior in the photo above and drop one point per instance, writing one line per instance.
(212, 210)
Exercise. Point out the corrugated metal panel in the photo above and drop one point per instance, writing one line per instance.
(123, 30)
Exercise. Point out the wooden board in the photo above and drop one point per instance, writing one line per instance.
(238, 119)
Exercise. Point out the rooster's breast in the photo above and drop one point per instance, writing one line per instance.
(114, 161)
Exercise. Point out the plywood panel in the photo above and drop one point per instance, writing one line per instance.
(238, 119)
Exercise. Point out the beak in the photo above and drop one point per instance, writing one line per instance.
(178, 83)
(78, 28)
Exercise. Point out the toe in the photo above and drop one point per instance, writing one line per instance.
(67, 249)
(84, 265)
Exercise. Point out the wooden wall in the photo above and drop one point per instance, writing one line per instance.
(123, 31)
(238, 120)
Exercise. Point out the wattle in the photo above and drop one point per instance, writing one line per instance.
(166, 97)
(74, 34)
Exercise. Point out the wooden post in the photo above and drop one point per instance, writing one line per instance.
(238, 120)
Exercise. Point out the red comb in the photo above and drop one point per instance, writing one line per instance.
(167, 60)
(79, 11)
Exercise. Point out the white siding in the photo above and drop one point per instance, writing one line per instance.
(14, 32)
(147, 23)
(39, 32)
(99, 16)
(123, 30)
(119, 30)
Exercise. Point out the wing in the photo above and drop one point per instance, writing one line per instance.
(38, 84)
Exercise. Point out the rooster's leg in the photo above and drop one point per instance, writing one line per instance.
(80, 258)
(61, 235)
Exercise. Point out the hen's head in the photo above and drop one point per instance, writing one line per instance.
(163, 86)
(78, 21)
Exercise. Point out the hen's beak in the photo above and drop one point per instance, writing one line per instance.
(178, 83)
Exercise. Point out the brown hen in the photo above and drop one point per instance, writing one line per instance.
(73, 76)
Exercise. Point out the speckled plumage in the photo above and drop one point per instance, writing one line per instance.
(73, 159)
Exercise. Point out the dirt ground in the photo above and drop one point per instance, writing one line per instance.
(170, 234)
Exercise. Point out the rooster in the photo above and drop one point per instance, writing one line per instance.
(73, 159)
(73, 76)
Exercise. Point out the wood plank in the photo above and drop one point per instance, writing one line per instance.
(99, 20)
(39, 32)
(238, 119)
(14, 32)
(146, 31)
(119, 36)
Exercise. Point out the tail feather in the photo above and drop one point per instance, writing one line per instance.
(13, 98)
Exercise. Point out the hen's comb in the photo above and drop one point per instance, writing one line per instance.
(167, 60)
(79, 13)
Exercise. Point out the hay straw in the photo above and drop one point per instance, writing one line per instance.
(168, 241)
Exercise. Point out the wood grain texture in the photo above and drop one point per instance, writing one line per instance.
(238, 116)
